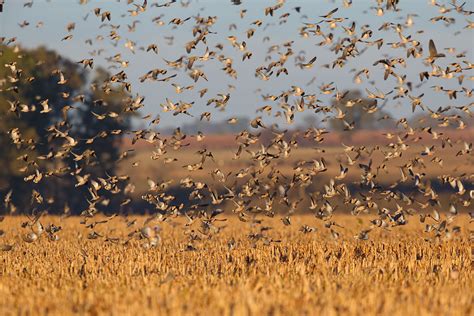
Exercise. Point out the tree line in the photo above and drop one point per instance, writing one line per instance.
(44, 95)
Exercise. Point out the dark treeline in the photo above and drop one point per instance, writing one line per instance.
(72, 123)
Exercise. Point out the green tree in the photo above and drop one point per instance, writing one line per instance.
(45, 102)
(27, 79)
(101, 121)
(359, 113)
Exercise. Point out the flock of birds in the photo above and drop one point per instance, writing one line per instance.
(255, 190)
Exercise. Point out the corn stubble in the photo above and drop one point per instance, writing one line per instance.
(239, 271)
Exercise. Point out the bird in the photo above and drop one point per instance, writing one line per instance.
(275, 80)
(433, 52)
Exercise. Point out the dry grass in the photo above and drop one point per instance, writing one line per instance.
(174, 171)
(392, 273)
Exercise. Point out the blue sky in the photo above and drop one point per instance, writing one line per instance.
(246, 97)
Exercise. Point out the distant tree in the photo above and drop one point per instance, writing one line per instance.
(101, 120)
(359, 113)
(43, 96)
(310, 121)
(428, 120)
(29, 78)
(219, 127)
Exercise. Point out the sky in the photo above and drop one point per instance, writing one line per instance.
(246, 91)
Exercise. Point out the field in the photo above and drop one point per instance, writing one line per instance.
(443, 163)
(259, 267)
(238, 269)
(193, 157)
(145, 167)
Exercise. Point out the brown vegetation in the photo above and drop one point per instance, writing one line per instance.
(332, 139)
(236, 272)
(145, 167)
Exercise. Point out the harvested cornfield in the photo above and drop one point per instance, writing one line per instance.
(237, 268)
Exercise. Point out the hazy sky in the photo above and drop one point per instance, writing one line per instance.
(245, 99)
